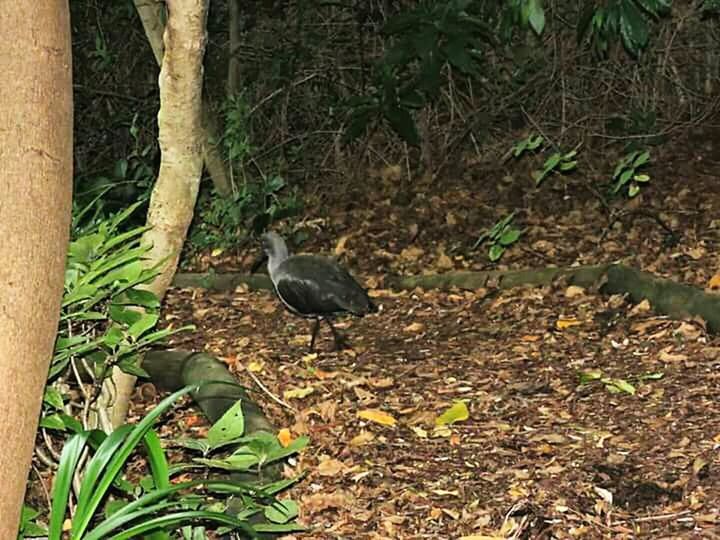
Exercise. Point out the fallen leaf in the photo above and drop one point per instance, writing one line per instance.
(340, 245)
(562, 324)
(322, 501)
(331, 467)
(457, 413)
(255, 366)
(298, 393)
(414, 328)
(363, 438)
(573, 291)
(377, 416)
(284, 437)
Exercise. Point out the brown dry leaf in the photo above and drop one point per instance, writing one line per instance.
(318, 502)
(327, 410)
(363, 438)
(443, 262)
(530, 338)
(573, 291)
(365, 397)
(411, 254)
(450, 219)
(382, 383)
(689, 331)
(482, 537)
(331, 467)
(414, 328)
(667, 356)
(377, 416)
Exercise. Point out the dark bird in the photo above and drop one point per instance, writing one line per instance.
(314, 287)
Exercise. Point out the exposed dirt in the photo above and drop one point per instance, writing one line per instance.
(540, 455)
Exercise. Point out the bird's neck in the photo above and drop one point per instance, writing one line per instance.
(276, 259)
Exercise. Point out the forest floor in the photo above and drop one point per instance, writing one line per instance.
(540, 455)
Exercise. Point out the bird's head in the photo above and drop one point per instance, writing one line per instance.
(274, 248)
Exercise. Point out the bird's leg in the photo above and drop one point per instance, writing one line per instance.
(340, 342)
(316, 327)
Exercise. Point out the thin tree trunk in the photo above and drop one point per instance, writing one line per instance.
(151, 13)
(180, 118)
(36, 185)
(233, 82)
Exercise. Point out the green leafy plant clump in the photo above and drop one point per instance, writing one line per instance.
(502, 235)
(107, 505)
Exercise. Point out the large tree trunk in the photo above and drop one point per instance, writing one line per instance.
(151, 16)
(36, 187)
(179, 121)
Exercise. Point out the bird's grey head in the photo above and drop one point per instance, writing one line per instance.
(275, 248)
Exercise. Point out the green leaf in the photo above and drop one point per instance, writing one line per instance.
(281, 511)
(510, 237)
(229, 427)
(641, 178)
(536, 16)
(641, 159)
(403, 124)
(113, 336)
(633, 27)
(53, 421)
(124, 315)
(496, 251)
(139, 297)
(53, 397)
(568, 165)
(620, 384)
(158, 461)
(552, 162)
(457, 413)
(146, 322)
(651, 376)
(633, 190)
(71, 453)
(131, 365)
(625, 176)
(590, 375)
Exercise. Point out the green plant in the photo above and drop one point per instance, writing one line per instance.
(424, 40)
(157, 505)
(499, 237)
(250, 453)
(523, 14)
(615, 385)
(106, 318)
(29, 527)
(558, 162)
(627, 19)
(220, 221)
(626, 172)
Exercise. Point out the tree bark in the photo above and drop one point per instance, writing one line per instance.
(36, 185)
(180, 118)
(151, 16)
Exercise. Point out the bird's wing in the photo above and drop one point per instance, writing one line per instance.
(332, 284)
(305, 297)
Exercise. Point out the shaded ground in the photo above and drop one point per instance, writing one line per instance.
(540, 455)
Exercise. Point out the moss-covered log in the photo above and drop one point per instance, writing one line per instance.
(666, 297)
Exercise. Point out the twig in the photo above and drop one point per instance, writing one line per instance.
(269, 393)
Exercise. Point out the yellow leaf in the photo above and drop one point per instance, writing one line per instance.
(420, 432)
(457, 413)
(255, 367)
(340, 246)
(284, 437)
(298, 393)
(217, 251)
(309, 358)
(714, 282)
(562, 324)
(377, 416)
